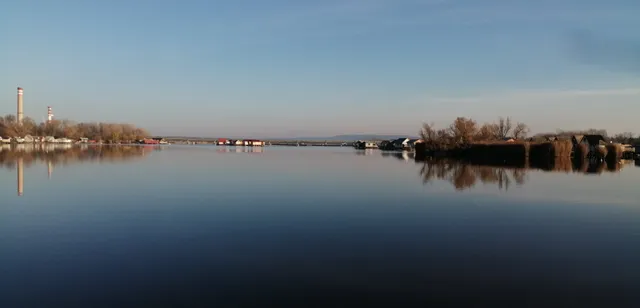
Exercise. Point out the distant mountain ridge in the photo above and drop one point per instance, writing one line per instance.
(354, 137)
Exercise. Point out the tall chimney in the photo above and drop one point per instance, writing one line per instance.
(20, 113)
(49, 114)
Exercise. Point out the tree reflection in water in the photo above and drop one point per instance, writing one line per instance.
(67, 154)
(463, 175)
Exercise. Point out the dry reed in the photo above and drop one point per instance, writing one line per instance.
(614, 152)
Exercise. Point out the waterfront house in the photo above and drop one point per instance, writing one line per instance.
(253, 142)
(386, 145)
(222, 141)
(238, 142)
(411, 144)
(365, 144)
(401, 143)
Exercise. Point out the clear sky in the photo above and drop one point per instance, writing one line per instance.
(312, 68)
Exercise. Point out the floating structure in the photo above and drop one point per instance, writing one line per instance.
(152, 141)
(365, 144)
(399, 144)
(240, 142)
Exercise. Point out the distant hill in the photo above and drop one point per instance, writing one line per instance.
(331, 138)
(353, 137)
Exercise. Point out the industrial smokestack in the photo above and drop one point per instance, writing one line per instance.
(49, 114)
(20, 113)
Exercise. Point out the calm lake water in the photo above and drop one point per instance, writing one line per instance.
(206, 226)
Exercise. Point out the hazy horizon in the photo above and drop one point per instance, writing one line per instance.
(284, 68)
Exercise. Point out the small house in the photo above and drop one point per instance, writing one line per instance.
(222, 141)
(370, 144)
(411, 144)
(401, 143)
(238, 142)
(253, 142)
(386, 145)
(360, 144)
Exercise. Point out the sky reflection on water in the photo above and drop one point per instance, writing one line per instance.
(205, 225)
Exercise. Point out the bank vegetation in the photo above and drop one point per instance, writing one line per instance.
(509, 141)
(108, 132)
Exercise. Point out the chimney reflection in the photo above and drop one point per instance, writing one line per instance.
(49, 168)
(23, 156)
(20, 163)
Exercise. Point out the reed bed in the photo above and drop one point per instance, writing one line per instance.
(550, 150)
(601, 152)
(614, 152)
(502, 153)
(581, 152)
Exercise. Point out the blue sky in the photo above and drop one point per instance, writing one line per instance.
(312, 68)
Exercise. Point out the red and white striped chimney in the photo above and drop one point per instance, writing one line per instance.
(49, 114)
(20, 112)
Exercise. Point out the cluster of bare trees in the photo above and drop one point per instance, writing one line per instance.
(9, 127)
(465, 130)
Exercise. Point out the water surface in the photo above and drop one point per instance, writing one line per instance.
(204, 226)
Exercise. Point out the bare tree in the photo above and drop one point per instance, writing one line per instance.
(520, 131)
(463, 130)
(428, 133)
(504, 127)
(625, 137)
(487, 132)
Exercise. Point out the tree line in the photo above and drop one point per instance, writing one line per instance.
(9, 127)
(466, 130)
